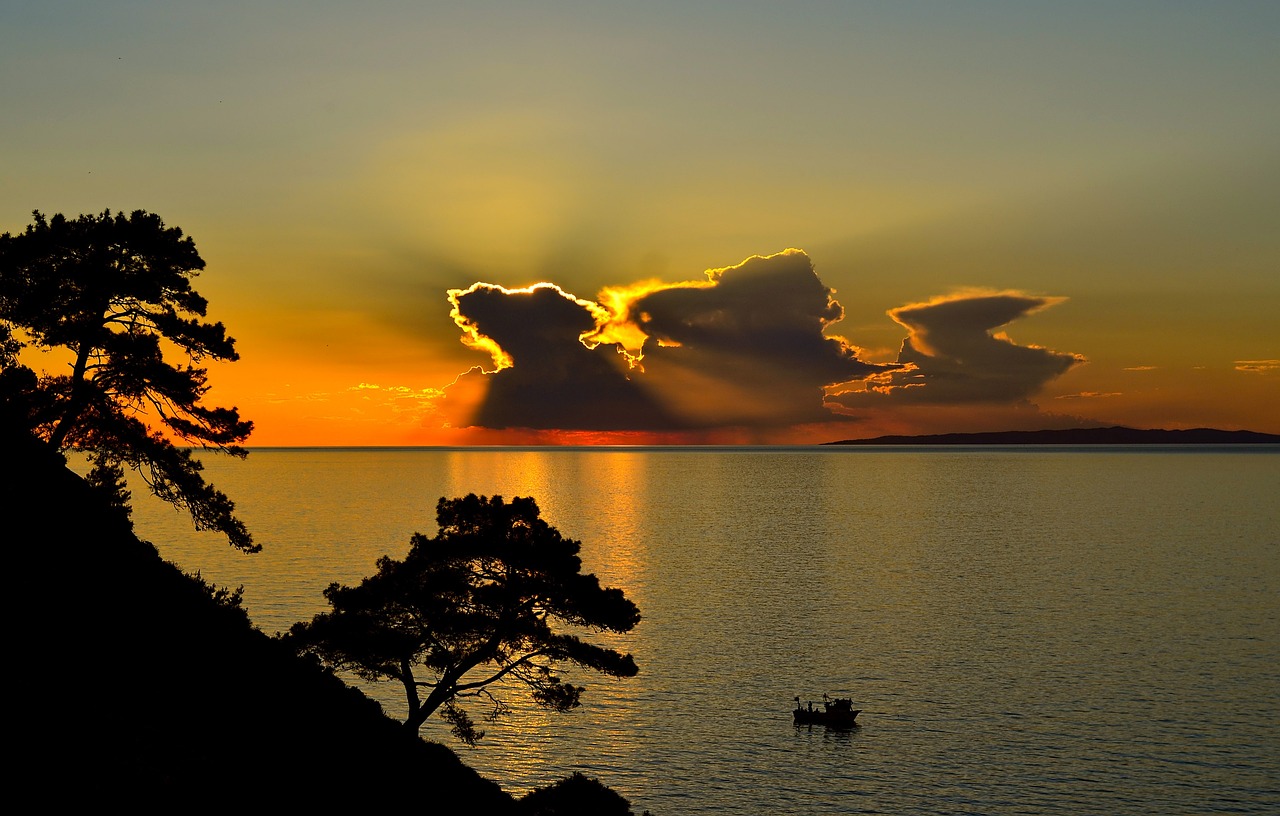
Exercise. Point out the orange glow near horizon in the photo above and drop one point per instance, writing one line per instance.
(360, 413)
(316, 402)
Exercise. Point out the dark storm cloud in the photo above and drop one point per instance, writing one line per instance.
(744, 348)
(953, 357)
(546, 376)
(748, 346)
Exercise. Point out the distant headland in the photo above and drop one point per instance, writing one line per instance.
(1117, 435)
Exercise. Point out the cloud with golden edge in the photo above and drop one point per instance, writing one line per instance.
(540, 299)
(746, 347)
(952, 354)
(545, 376)
(622, 328)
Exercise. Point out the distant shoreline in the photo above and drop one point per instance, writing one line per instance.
(1071, 437)
(1117, 435)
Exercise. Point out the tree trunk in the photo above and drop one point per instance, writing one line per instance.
(415, 718)
(75, 404)
(438, 697)
(448, 685)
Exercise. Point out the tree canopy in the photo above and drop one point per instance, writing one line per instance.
(470, 611)
(114, 292)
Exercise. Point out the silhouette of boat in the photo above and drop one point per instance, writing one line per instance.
(834, 713)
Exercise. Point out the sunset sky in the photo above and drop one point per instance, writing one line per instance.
(491, 222)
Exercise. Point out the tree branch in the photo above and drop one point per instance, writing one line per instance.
(525, 660)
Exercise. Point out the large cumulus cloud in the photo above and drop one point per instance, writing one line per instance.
(953, 356)
(745, 347)
(748, 346)
(544, 375)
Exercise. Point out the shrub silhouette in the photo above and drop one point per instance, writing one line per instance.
(575, 795)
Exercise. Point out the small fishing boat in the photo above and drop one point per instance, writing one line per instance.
(834, 713)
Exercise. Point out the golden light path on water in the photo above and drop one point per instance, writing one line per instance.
(530, 733)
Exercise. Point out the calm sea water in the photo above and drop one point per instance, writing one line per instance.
(1027, 631)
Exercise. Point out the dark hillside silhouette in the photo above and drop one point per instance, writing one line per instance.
(133, 684)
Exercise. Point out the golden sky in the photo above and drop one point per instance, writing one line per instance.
(757, 222)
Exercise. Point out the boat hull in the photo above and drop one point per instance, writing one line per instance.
(840, 718)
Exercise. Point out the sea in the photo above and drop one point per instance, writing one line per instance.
(1026, 630)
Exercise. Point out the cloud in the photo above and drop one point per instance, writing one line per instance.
(544, 376)
(1258, 366)
(1089, 395)
(952, 356)
(746, 347)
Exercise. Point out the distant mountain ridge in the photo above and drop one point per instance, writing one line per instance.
(1116, 435)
